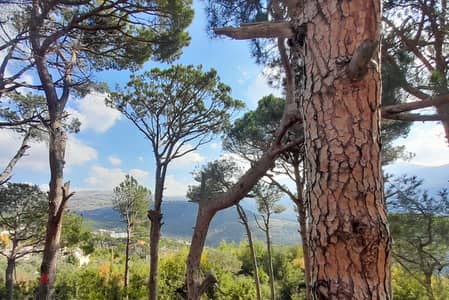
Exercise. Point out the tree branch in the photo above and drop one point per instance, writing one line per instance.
(5, 175)
(209, 281)
(358, 66)
(278, 29)
(405, 107)
(415, 117)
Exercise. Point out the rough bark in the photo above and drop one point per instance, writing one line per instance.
(244, 221)
(348, 236)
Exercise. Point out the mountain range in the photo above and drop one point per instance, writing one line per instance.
(179, 218)
(179, 214)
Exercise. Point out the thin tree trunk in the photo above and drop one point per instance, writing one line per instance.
(349, 237)
(155, 235)
(155, 216)
(428, 285)
(128, 235)
(194, 286)
(5, 174)
(244, 219)
(302, 216)
(9, 280)
(270, 257)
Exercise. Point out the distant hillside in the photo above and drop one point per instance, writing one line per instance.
(179, 215)
(435, 178)
(179, 219)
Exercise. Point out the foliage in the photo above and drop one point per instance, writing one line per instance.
(23, 212)
(76, 233)
(131, 200)
(419, 225)
(252, 134)
(214, 178)
(176, 107)
(130, 33)
(101, 280)
(268, 197)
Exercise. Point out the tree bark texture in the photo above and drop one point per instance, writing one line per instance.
(348, 237)
(249, 235)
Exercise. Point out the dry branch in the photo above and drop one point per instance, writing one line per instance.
(279, 29)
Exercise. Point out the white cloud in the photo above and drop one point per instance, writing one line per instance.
(114, 160)
(93, 113)
(258, 89)
(79, 153)
(176, 187)
(188, 160)
(101, 178)
(429, 143)
(37, 156)
(141, 175)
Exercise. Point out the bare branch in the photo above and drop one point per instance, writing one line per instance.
(278, 29)
(416, 117)
(5, 175)
(405, 107)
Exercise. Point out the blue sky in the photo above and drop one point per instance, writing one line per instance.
(108, 146)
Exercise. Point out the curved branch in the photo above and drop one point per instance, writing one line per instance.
(405, 107)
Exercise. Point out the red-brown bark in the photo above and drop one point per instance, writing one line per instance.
(348, 235)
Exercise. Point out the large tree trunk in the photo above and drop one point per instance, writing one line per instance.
(244, 219)
(348, 236)
(57, 196)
